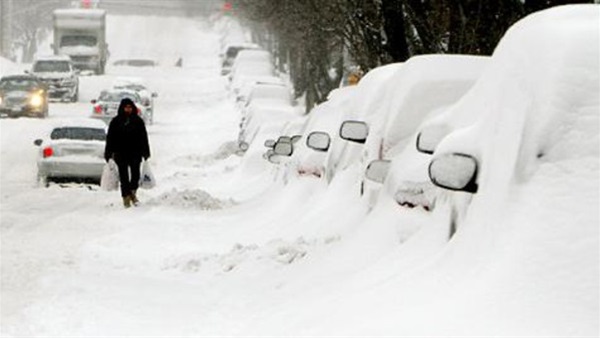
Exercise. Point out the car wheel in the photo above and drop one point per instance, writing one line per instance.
(43, 181)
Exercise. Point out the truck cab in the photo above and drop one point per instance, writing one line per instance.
(81, 34)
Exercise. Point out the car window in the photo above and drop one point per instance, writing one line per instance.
(78, 40)
(118, 96)
(18, 84)
(51, 66)
(78, 133)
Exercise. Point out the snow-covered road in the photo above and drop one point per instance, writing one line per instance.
(219, 249)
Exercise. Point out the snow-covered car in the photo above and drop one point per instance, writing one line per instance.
(247, 73)
(138, 85)
(522, 182)
(258, 116)
(230, 52)
(310, 152)
(23, 95)
(267, 95)
(423, 85)
(58, 73)
(535, 146)
(243, 95)
(107, 105)
(72, 150)
(365, 105)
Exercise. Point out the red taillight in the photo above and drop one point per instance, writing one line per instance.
(98, 109)
(139, 111)
(48, 152)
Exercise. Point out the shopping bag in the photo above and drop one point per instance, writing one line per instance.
(110, 176)
(147, 180)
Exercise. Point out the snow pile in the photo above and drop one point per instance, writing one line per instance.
(190, 199)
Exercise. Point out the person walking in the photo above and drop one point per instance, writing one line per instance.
(127, 144)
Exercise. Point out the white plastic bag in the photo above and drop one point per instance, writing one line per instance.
(147, 180)
(110, 176)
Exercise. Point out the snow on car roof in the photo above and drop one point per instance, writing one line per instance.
(78, 122)
(539, 89)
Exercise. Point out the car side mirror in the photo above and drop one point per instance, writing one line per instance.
(93, 101)
(274, 158)
(454, 171)
(243, 146)
(378, 170)
(283, 148)
(269, 143)
(296, 138)
(154, 94)
(26, 71)
(354, 131)
(430, 136)
(77, 71)
(318, 140)
(38, 142)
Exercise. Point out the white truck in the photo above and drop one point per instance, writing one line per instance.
(81, 34)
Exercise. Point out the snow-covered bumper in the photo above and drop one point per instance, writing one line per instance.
(71, 167)
(14, 107)
(62, 89)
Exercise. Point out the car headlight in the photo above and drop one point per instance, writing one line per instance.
(68, 81)
(36, 100)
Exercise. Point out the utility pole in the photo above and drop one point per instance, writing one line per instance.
(6, 9)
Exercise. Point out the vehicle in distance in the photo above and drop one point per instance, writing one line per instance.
(107, 105)
(59, 75)
(81, 34)
(23, 95)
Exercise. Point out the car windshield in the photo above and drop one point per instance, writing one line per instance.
(51, 66)
(78, 133)
(118, 96)
(78, 40)
(15, 84)
(132, 86)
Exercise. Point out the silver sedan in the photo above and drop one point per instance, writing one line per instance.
(73, 150)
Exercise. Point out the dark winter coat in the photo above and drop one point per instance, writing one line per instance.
(127, 139)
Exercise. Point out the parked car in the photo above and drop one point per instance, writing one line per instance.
(138, 85)
(538, 130)
(107, 105)
(247, 73)
(58, 73)
(136, 63)
(23, 95)
(258, 117)
(367, 104)
(309, 156)
(243, 95)
(230, 52)
(72, 150)
(423, 85)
